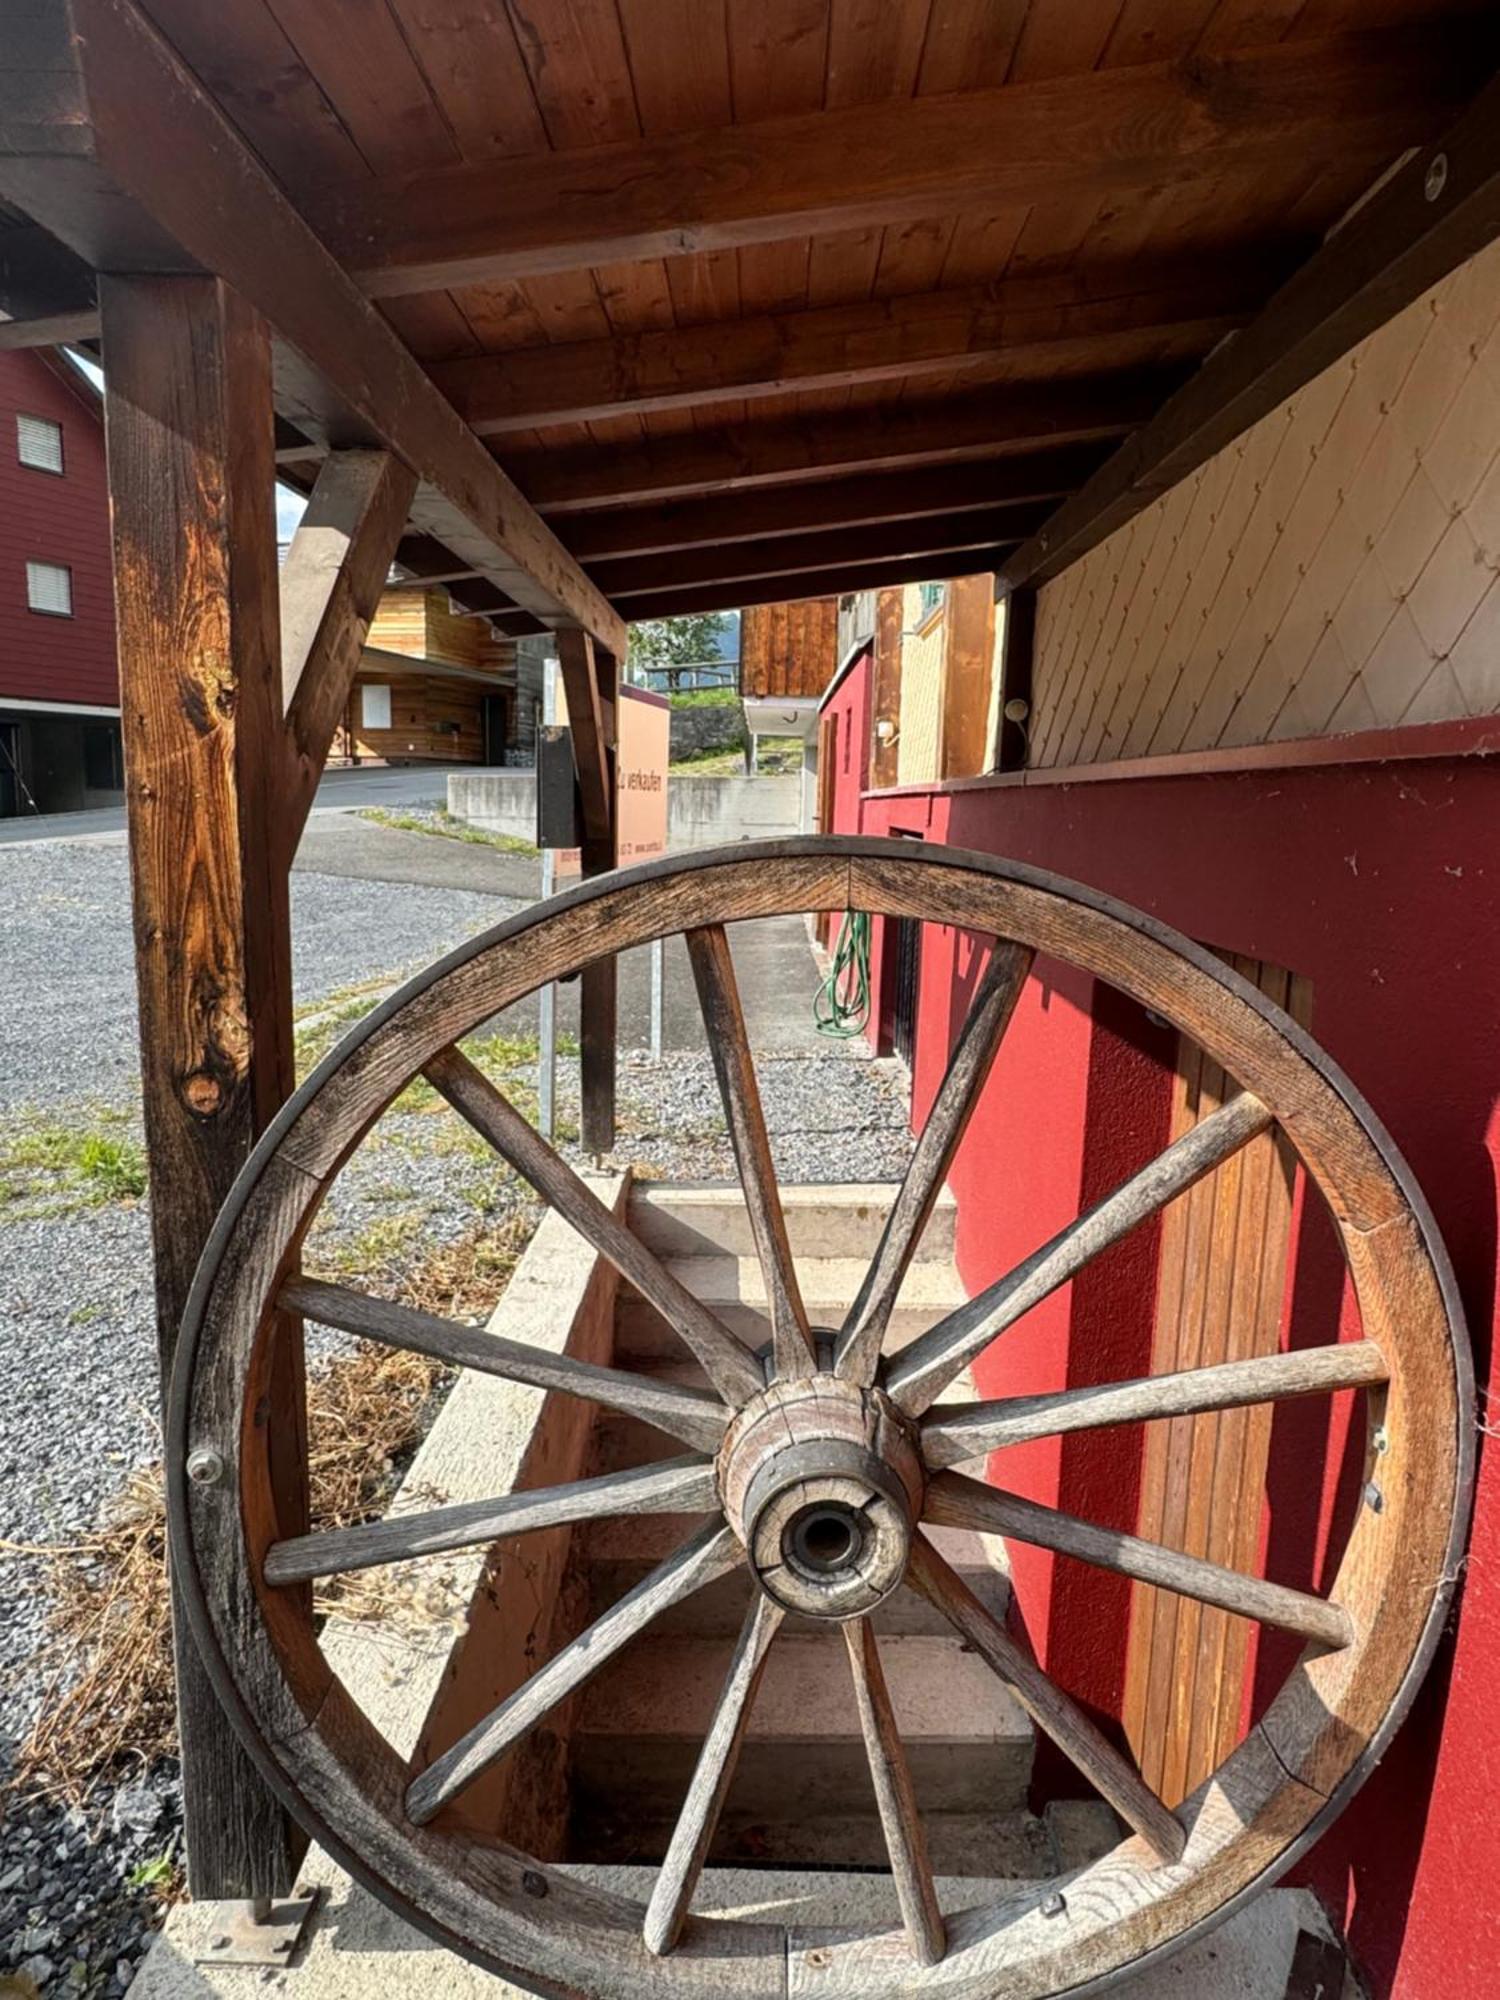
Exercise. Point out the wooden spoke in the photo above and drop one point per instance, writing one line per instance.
(674, 1485)
(694, 1830)
(726, 1361)
(956, 1502)
(920, 1374)
(705, 1556)
(897, 1801)
(974, 1053)
(693, 1415)
(951, 1436)
(1111, 1773)
(729, 1045)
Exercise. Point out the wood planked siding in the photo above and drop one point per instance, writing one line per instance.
(422, 624)
(1223, 1267)
(1336, 569)
(421, 704)
(789, 648)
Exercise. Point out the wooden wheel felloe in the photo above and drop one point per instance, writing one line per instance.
(819, 1461)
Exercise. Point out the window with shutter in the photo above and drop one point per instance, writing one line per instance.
(49, 588)
(39, 443)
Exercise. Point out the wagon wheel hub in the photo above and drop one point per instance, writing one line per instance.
(822, 1482)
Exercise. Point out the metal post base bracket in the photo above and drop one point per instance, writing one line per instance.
(259, 1933)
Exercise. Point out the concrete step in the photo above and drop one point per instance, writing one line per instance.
(823, 1219)
(615, 1555)
(641, 1723)
(734, 1289)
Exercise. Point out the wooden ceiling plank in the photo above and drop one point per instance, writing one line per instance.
(366, 68)
(813, 583)
(1105, 134)
(1438, 210)
(988, 425)
(785, 555)
(113, 113)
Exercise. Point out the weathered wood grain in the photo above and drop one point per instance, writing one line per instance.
(331, 584)
(727, 1362)
(673, 1894)
(674, 1485)
(895, 1797)
(693, 1415)
(950, 1436)
(969, 1065)
(956, 1502)
(923, 1370)
(734, 1066)
(1115, 1778)
(188, 427)
(710, 1553)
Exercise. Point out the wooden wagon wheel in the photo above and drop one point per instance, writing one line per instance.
(822, 1460)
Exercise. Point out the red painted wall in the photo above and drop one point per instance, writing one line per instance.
(60, 518)
(849, 706)
(1381, 883)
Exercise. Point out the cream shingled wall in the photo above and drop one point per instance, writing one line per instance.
(919, 747)
(1336, 569)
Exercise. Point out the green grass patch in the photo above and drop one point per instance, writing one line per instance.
(447, 827)
(49, 1163)
(726, 697)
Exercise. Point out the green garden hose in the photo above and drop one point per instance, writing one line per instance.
(841, 1006)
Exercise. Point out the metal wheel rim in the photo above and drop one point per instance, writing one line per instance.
(473, 1899)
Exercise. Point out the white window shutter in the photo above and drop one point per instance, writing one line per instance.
(39, 442)
(49, 587)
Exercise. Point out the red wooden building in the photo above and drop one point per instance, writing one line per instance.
(59, 688)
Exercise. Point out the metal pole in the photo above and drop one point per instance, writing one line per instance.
(658, 969)
(546, 1090)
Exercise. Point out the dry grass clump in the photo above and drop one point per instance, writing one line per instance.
(109, 1646)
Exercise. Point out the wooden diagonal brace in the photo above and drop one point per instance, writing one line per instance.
(335, 572)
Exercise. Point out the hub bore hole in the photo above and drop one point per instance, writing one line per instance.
(826, 1539)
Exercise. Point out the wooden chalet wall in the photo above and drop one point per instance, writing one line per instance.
(1335, 569)
(789, 648)
(423, 624)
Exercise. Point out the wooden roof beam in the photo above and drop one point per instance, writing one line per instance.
(989, 424)
(1441, 207)
(1035, 326)
(1103, 134)
(760, 512)
(933, 535)
(110, 142)
(814, 583)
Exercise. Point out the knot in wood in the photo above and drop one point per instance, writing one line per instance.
(822, 1481)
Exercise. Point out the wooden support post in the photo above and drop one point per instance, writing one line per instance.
(191, 476)
(591, 681)
(1017, 645)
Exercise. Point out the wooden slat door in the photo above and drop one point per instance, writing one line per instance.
(1223, 1276)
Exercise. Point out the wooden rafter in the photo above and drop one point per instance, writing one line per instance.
(1439, 209)
(812, 583)
(1089, 137)
(179, 189)
(787, 555)
(984, 425)
(757, 514)
(1034, 326)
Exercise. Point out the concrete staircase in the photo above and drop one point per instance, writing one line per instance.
(802, 1793)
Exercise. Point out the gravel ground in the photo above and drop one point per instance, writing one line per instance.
(75, 1285)
(67, 938)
